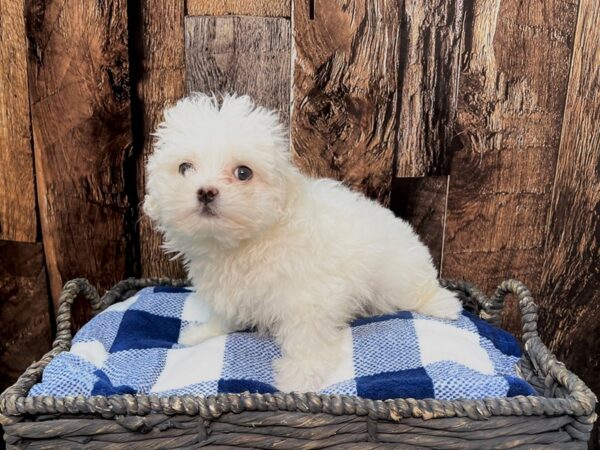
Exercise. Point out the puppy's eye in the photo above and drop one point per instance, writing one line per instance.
(243, 173)
(184, 167)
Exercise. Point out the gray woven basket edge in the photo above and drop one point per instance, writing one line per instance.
(564, 393)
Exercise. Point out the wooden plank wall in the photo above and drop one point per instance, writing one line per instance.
(249, 55)
(345, 96)
(430, 44)
(79, 95)
(17, 206)
(161, 81)
(509, 121)
(570, 285)
(259, 8)
(476, 120)
(25, 312)
(80, 116)
(422, 202)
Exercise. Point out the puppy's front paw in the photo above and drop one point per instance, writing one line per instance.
(195, 334)
(292, 375)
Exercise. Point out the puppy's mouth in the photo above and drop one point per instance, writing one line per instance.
(207, 211)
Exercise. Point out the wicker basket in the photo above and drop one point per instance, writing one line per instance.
(561, 416)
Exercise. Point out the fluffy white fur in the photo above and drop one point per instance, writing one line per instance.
(294, 256)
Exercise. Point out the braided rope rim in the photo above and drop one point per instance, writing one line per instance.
(563, 392)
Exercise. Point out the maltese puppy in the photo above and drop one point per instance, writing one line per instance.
(270, 248)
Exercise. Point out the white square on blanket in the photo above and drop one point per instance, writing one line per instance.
(91, 351)
(345, 370)
(123, 306)
(194, 309)
(439, 341)
(190, 365)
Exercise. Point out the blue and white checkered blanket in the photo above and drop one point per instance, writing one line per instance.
(132, 347)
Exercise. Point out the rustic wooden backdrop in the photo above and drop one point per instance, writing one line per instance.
(476, 120)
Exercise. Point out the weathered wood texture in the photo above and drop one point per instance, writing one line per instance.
(512, 94)
(25, 334)
(571, 272)
(269, 8)
(422, 202)
(17, 189)
(78, 70)
(162, 83)
(345, 91)
(249, 55)
(428, 84)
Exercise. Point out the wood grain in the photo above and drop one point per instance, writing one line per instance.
(267, 8)
(161, 30)
(78, 68)
(429, 74)
(247, 55)
(25, 315)
(421, 201)
(570, 315)
(345, 92)
(17, 188)
(512, 94)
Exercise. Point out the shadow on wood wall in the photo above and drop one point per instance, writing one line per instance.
(475, 120)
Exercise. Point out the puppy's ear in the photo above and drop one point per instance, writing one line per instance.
(150, 208)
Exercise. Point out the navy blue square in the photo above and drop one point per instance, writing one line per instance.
(502, 340)
(239, 386)
(140, 329)
(105, 388)
(516, 386)
(409, 383)
(170, 289)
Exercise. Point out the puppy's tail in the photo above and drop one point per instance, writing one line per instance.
(441, 303)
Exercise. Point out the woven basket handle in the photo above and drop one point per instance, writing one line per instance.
(490, 309)
(72, 290)
(558, 380)
(528, 308)
(80, 287)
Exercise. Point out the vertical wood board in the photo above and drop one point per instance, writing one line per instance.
(421, 201)
(78, 69)
(267, 8)
(512, 94)
(344, 120)
(247, 55)
(570, 313)
(161, 30)
(17, 189)
(25, 315)
(429, 73)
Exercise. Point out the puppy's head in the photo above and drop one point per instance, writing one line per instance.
(219, 170)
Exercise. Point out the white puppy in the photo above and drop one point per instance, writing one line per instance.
(267, 247)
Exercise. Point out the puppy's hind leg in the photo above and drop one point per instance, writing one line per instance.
(312, 348)
(410, 283)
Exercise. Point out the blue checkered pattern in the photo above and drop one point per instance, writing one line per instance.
(132, 348)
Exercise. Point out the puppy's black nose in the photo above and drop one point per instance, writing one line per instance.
(207, 195)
